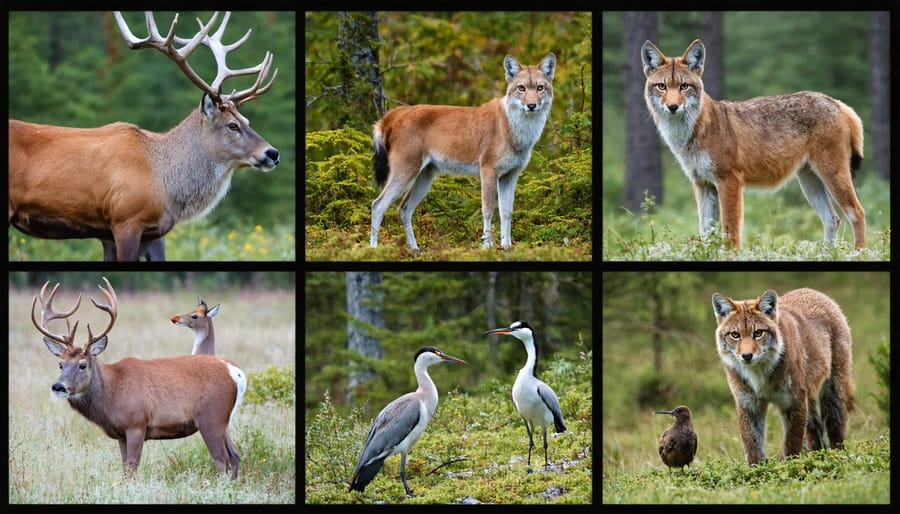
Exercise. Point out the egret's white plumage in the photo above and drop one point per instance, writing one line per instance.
(535, 401)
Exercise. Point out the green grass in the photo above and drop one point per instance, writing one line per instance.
(479, 432)
(778, 226)
(858, 474)
(189, 241)
(57, 456)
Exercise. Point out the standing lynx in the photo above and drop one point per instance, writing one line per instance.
(792, 351)
(724, 146)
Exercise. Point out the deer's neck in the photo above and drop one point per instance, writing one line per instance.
(189, 175)
(205, 340)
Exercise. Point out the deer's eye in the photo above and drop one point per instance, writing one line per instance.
(233, 126)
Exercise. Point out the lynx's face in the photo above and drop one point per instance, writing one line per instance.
(747, 337)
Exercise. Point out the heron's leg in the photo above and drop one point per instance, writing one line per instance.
(545, 447)
(530, 443)
(403, 473)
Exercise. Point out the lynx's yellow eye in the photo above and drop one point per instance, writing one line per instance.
(661, 87)
(758, 333)
(685, 87)
(734, 334)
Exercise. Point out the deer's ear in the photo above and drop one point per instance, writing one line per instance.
(97, 347)
(208, 107)
(55, 347)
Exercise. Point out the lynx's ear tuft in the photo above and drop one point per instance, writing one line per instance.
(722, 306)
(768, 303)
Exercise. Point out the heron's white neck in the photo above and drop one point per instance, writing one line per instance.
(426, 385)
(530, 367)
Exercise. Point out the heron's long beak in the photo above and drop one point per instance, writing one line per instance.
(451, 358)
(504, 330)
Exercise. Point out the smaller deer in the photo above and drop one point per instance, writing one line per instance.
(200, 321)
(133, 399)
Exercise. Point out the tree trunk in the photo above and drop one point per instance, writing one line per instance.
(364, 300)
(879, 66)
(358, 61)
(491, 300)
(713, 69)
(643, 170)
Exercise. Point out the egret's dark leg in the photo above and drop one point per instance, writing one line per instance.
(530, 443)
(545, 447)
(403, 473)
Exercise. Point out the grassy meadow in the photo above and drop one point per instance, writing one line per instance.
(57, 456)
(691, 373)
(188, 241)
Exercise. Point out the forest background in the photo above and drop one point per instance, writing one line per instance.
(74, 69)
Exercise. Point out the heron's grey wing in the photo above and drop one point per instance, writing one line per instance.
(390, 427)
(552, 403)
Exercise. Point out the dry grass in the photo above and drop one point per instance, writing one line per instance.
(56, 456)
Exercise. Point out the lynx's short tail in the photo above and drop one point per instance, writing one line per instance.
(856, 136)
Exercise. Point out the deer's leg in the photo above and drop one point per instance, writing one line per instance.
(128, 241)
(133, 446)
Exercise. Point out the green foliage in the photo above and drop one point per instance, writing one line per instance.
(475, 447)
(189, 241)
(419, 314)
(880, 359)
(276, 384)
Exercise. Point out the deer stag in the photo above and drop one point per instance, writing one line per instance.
(133, 399)
(200, 321)
(128, 186)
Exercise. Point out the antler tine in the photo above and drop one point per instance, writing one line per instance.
(255, 91)
(111, 308)
(47, 314)
(155, 40)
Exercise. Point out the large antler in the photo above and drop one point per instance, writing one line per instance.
(47, 314)
(112, 308)
(219, 51)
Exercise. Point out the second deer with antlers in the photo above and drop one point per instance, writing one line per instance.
(133, 400)
(128, 186)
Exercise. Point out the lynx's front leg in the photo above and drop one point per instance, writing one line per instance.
(731, 202)
(488, 202)
(707, 198)
(752, 423)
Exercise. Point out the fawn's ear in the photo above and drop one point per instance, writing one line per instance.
(695, 56)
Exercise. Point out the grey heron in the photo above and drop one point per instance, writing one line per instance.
(400, 424)
(535, 401)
